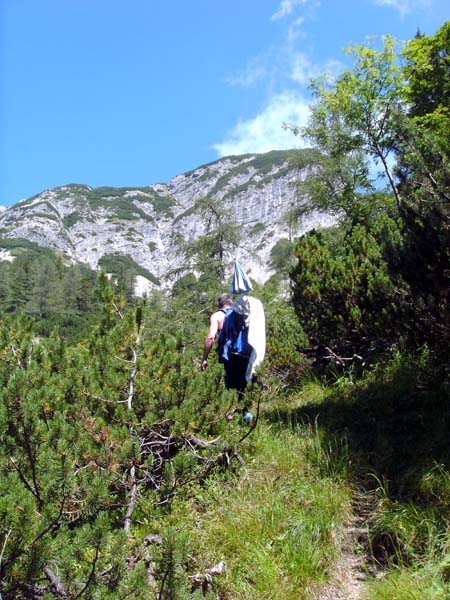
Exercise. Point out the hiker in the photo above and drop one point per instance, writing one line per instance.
(223, 322)
(241, 342)
(224, 303)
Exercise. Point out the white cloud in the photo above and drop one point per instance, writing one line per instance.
(294, 31)
(255, 71)
(403, 6)
(303, 69)
(265, 132)
(282, 69)
(275, 63)
(286, 8)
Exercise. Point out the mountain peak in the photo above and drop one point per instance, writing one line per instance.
(146, 224)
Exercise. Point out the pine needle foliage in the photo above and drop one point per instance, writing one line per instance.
(98, 437)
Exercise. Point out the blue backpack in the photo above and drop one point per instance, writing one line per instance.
(233, 338)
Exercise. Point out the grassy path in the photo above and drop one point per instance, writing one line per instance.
(353, 568)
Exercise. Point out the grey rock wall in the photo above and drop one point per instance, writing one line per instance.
(146, 223)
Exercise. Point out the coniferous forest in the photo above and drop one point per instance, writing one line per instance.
(122, 475)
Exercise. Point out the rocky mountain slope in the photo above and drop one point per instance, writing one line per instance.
(147, 225)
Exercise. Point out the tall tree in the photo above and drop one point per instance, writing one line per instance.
(209, 253)
(391, 108)
(46, 299)
(353, 121)
(20, 283)
(424, 141)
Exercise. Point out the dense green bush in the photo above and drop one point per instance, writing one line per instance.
(345, 291)
(97, 439)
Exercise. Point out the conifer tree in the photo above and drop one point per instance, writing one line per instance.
(20, 283)
(209, 253)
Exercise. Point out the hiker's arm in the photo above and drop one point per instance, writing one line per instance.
(209, 340)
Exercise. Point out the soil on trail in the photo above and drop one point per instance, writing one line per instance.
(355, 565)
(347, 578)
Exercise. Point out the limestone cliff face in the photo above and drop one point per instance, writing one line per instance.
(147, 224)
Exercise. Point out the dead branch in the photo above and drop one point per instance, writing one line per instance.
(99, 398)
(132, 501)
(133, 488)
(200, 443)
(204, 580)
(5, 541)
(321, 354)
(134, 372)
(118, 311)
(19, 364)
(55, 583)
(340, 359)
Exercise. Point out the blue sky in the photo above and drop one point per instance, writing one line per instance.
(133, 92)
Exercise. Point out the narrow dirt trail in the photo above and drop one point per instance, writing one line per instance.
(355, 565)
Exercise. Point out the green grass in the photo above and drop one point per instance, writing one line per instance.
(132, 234)
(19, 246)
(192, 210)
(276, 524)
(43, 215)
(408, 584)
(71, 219)
(263, 164)
(392, 426)
(120, 203)
(121, 263)
(256, 229)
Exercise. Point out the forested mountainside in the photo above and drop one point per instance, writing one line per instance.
(150, 229)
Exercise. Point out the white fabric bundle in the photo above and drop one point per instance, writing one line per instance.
(253, 311)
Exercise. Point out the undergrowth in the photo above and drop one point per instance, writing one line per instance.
(276, 524)
(393, 424)
(277, 521)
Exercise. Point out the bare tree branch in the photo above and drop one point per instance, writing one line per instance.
(132, 501)
(55, 583)
(129, 402)
(19, 364)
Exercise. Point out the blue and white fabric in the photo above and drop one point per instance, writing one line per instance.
(241, 283)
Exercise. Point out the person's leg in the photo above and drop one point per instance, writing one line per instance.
(235, 372)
